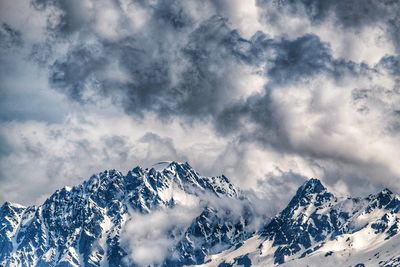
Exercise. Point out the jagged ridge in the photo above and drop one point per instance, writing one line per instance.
(82, 225)
(316, 225)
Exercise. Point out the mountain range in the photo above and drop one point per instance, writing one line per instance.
(170, 215)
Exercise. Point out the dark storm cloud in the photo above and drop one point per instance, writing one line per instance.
(300, 58)
(292, 61)
(195, 74)
(9, 37)
(205, 66)
(71, 18)
(177, 66)
(71, 74)
(75, 16)
(196, 78)
(353, 14)
(391, 64)
(189, 62)
(172, 66)
(257, 109)
(349, 13)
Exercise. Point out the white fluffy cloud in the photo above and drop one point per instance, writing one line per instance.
(94, 85)
(150, 237)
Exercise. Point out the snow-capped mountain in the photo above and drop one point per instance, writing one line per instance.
(318, 228)
(190, 219)
(82, 225)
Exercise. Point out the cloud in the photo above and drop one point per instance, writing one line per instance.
(352, 33)
(255, 90)
(49, 156)
(300, 59)
(194, 76)
(9, 37)
(354, 14)
(149, 238)
(391, 65)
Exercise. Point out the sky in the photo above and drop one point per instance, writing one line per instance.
(269, 93)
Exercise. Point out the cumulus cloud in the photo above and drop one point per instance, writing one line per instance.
(358, 30)
(149, 238)
(258, 90)
(48, 156)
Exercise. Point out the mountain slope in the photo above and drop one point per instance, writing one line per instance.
(318, 228)
(83, 225)
(170, 215)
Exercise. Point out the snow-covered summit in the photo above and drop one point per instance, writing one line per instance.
(86, 225)
(318, 227)
(82, 225)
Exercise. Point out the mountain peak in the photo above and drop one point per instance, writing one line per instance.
(384, 198)
(312, 192)
(10, 205)
(383, 195)
(386, 191)
(181, 165)
(82, 225)
(312, 186)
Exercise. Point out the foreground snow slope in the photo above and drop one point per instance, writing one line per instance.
(318, 228)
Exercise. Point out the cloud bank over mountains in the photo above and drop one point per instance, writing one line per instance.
(266, 92)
